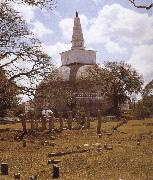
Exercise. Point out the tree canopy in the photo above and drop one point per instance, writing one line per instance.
(21, 54)
(118, 81)
(8, 94)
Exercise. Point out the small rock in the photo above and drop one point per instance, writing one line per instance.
(46, 143)
(51, 154)
(78, 147)
(138, 143)
(105, 146)
(53, 161)
(109, 133)
(52, 138)
(52, 144)
(98, 145)
(109, 147)
(86, 145)
(33, 178)
(16, 176)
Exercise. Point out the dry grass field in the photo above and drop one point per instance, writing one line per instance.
(127, 160)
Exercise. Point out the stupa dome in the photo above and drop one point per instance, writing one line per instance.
(73, 72)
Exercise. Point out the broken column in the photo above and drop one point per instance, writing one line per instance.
(55, 171)
(43, 119)
(88, 120)
(99, 122)
(70, 119)
(4, 169)
(78, 118)
(32, 124)
(51, 121)
(23, 121)
(36, 124)
(24, 143)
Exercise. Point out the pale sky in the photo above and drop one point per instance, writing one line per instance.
(114, 28)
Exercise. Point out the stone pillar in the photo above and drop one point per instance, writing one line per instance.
(36, 124)
(24, 124)
(78, 118)
(88, 120)
(70, 119)
(24, 143)
(61, 120)
(43, 119)
(32, 124)
(99, 122)
(51, 122)
(55, 171)
(4, 169)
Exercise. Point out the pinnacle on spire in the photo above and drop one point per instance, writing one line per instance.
(77, 14)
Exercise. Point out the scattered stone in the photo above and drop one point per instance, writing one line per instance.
(99, 135)
(109, 147)
(109, 133)
(33, 177)
(52, 144)
(138, 143)
(86, 145)
(16, 176)
(46, 143)
(53, 161)
(98, 145)
(78, 147)
(51, 154)
(52, 138)
(4, 169)
(55, 171)
(105, 146)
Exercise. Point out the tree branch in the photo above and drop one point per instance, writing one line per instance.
(147, 7)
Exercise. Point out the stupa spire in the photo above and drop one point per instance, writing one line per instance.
(77, 37)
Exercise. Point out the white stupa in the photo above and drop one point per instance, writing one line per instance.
(77, 59)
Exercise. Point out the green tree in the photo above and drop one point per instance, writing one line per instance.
(8, 94)
(144, 108)
(118, 80)
(148, 90)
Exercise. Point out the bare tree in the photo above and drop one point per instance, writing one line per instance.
(145, 6)
(21, 54)
(48, 4)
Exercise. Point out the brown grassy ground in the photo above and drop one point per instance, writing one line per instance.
(127, 160)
